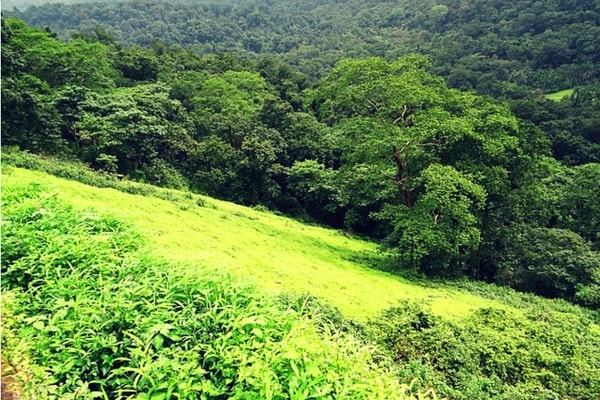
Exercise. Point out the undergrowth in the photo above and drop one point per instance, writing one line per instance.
(87, 313)
(78, 171)
(495, 354)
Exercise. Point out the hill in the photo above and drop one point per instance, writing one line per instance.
(450, 181)
(275, 253)
(514, 50)
(498, 48)
(508, 339)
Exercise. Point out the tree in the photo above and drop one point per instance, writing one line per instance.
(228, 101)
(576, 198)
(551, 262)
(315, 187)
(405, 138)
(137, 64)
(440, 233)
(37, 69)
(140, 128)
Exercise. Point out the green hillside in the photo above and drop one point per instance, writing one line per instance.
(365, 204)
(276, 253)
(90, 309)
(471, 343)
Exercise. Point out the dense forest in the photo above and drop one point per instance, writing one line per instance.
(517, 50)
(380, 146)
(424, 127)
(499, 48)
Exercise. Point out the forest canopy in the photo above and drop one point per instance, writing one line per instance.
(515, 50)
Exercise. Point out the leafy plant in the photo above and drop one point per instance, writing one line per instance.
(494, 353)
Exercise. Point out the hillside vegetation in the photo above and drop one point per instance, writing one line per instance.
(87, 313)
(160, 269)
(515, 50)
(451, 183)
(442, 144)
(494, 47)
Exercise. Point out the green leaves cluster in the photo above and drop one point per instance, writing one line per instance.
(511, 50)
(542, 354)
(455, 184)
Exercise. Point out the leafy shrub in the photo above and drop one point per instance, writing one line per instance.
(323, 314)
(542, 354)
(553, 263)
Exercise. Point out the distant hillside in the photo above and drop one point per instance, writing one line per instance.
(497, 48)
(9, 5)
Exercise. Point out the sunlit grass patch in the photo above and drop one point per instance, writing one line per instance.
(277, 254)
(558, 96)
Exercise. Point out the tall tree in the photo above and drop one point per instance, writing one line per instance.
(406, 139)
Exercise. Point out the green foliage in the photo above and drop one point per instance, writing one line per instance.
(441, 231)
(141, 128)
(504, 49)
(518, 346)
(57, 63)
(493, 354)
(137, 65)
(423, 166)
(171, 334)
(514, 49)
(227, 100)
(451, 182)
(552, 262)
(38, 72)
(576, 200)
(314, 186)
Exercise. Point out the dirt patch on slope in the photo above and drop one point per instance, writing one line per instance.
(7, 384)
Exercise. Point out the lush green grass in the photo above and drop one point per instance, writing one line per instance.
(88, 313)
(558, 96)
(466, 340)
(276, 253)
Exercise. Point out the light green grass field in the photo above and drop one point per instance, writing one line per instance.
(275, 253)
(558, 96)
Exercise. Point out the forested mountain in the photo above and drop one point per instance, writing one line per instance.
(517, 50)
(422, 126)
(499, 48)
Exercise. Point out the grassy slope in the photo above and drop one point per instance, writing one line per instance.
(558, 96)
(276, 253)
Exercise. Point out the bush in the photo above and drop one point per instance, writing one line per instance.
(553, 263)
(543, 354)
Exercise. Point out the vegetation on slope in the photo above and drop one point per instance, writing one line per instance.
(451, 182)
(514, 50)
(171, 330)
(497, 48)
(276, 253)
(91, 316)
